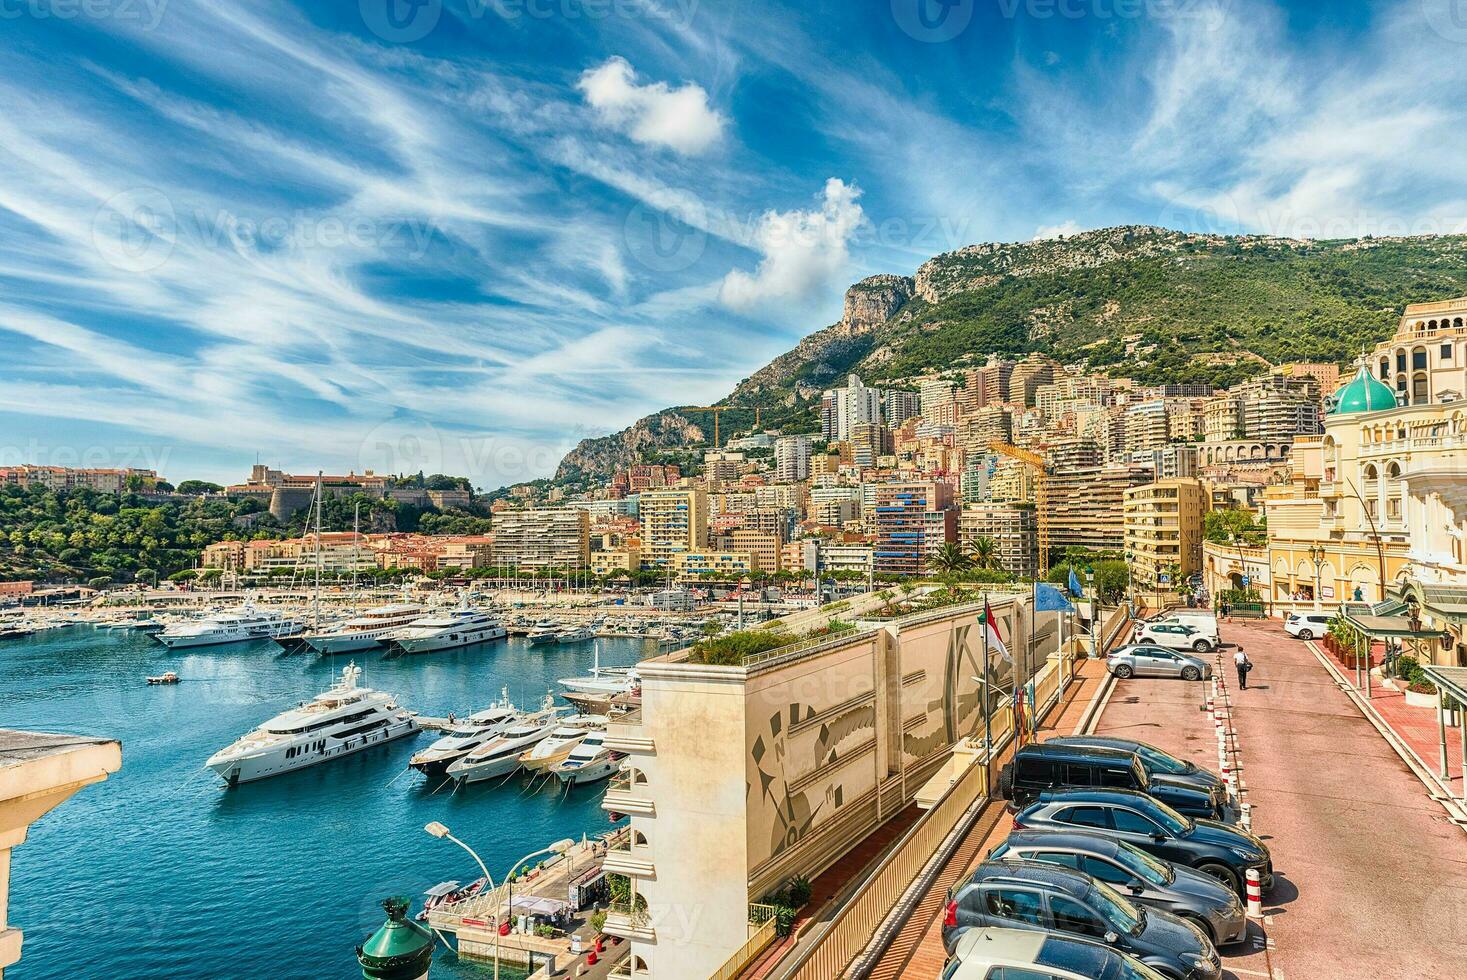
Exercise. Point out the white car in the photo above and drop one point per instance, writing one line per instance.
(1306, 626)
(1175, 636)
(986, 954)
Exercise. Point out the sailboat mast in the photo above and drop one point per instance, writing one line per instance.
(316, 602)
(356, 529)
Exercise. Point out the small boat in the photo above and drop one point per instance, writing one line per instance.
(543, 634)
(169, 678)
(574, 634)
(448, 893)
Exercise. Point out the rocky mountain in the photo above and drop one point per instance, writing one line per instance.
(1133, 301)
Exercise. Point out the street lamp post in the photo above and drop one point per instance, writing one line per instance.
(1316, 556)
(436, 829)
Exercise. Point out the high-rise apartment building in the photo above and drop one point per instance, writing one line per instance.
(543, 537)
(843, 408)
(1163, 530)
(869, 442)
(934, 393)
(764, 548)
(1172, 462)
(897, 406)
(1013, 530)
(1029, 375)
(674, 522)
(913, 521)
(792, 459)
(1087, 506)
(1276, 408)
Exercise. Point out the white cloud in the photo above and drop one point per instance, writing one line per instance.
(804, 252)
(656, 113)
(1064, 230)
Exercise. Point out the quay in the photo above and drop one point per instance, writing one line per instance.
(563, 892)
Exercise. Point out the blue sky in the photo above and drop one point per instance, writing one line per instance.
(461, 235)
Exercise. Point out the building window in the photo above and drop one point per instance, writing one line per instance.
(1418, 359)
(1446, 352)
(1400, 360)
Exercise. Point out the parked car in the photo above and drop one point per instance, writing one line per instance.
(1046, 897)
(1052, 765)
(1306, 626)
(1175, 636)
(1148, 660)
(1157, 762)
(1226, 853)
(1205, 623)
(987, 954)
(1200, 899)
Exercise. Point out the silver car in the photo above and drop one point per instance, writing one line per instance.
(1147, 660)
(1201, 899)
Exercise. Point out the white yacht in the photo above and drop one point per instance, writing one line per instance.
(231, 627)
(343, 721)
(604, 681)
(371, 629)
(575, 634)
(464, 735)
(500, 756)
(543, 633)
(449, 630)
(570, 733)
(589, 762)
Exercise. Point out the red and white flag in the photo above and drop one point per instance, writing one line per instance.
(990, 629)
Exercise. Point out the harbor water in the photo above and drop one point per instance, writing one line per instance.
(160, 872)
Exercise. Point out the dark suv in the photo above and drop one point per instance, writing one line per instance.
(1046, 898)
(1226, 853)
(1056, 765)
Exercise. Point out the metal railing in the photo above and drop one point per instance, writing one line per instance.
(765, 920)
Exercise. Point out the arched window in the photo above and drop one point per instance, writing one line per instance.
(1420, 389)
(1418, 359)
(1385, 368)
(1370, 489)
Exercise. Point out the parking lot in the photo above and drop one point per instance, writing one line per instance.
(1372, 876)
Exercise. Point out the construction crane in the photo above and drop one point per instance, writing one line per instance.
(718, 411)
(1041, 494)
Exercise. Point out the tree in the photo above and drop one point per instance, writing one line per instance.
(984, 553)
(1111, 578)
(195, 488)
(949, 558)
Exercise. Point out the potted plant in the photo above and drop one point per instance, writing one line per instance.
(1422, 693)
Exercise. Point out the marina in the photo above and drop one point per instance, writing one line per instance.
(310, 848)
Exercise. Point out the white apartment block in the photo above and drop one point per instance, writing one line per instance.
(792, 459)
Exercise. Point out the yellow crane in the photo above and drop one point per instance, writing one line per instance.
(1041, 494)
(718, 411)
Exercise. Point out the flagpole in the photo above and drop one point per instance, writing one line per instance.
(987, 709)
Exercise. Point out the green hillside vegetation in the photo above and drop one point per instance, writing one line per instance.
(82, 535)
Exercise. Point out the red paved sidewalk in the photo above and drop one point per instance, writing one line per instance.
(1417, 727)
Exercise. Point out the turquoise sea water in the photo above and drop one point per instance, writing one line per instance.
(160, 872)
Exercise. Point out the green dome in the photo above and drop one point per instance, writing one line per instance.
(1364, 394)
(400, 950)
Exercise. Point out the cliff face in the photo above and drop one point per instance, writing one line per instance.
(602, 457)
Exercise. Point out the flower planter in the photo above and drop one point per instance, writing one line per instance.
(1415, 700)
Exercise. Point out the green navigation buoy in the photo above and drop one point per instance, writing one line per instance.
(400, 950)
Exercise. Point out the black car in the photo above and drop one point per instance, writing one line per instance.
(1157, 762)
(1053, 765)
(1141, 877)
(1226, 853)
(1046, 898)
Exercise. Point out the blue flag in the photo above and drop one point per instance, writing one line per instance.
(1076, 589)
(1048, 598)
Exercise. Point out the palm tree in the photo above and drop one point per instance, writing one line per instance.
(984, 553)
(949, 558)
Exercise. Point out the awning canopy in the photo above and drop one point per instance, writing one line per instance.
(1453, 680)
(1384, 621)
(530, 905)
(1444, 601)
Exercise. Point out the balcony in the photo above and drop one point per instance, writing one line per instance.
(634, 861)
(631, 920)
(624, 733)
(624, 795)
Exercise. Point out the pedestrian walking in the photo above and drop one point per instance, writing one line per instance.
(1244, 665)
(1227, 610)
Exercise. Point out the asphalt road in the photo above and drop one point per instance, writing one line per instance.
(1372, 877)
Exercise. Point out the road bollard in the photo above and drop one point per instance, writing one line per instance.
(1255, 895)
(1245, 817)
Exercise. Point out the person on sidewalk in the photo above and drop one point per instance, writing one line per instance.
(1241, 661)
